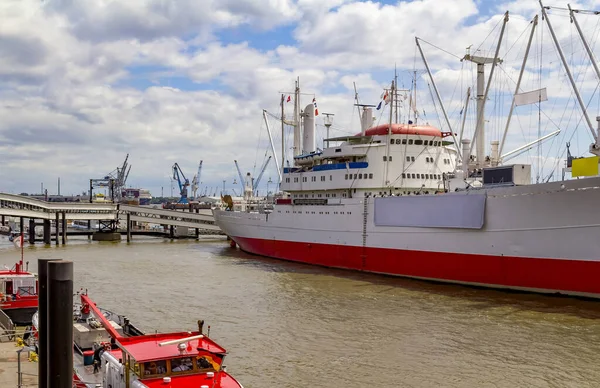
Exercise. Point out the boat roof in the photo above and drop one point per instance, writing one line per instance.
(146, 347)
(403, 129)
(12, 273)
(221, 380)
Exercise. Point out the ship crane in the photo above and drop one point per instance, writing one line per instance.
(262, 171)
(183, 183)
(196, 181)
(249, 184)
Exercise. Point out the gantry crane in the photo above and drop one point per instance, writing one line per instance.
(183, 183)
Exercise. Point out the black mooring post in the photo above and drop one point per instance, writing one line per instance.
(43, 322)
(31, 231)
(64, 228)
(60, 324)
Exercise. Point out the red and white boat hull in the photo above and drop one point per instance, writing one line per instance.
(540, 237)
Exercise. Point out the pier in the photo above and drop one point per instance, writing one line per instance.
(113, 219)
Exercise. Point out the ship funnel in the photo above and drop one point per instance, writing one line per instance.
(366, 120)
(308, 145)
(466, 155)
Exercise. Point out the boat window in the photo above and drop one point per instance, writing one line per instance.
(435, 143)
(410, 141)
(371, 176)
(403, 175)
(359, 176)
(430, 142)
(390, 159)
(330, 177)
(408, 158)
(384, 158)
(418, 176)
(391, 141)
(412, 158)
(153, 368)
(418, 142)
(426, 176)
(354, 176)
(413, 176)
(403, 141)
(182, 364)
(345, 176)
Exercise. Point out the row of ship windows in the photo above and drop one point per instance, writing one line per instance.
(299, 212)
(359, 176)
(412, 159)
(333, 195)
(421, 176)
(416, 142)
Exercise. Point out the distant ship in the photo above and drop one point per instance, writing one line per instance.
(133, 196)
(145, 197)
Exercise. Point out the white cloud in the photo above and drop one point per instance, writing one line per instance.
(68, 107)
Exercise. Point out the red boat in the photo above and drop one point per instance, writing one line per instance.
(18, 294)
(126, 358)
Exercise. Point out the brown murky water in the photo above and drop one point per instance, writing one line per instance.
(289, 325)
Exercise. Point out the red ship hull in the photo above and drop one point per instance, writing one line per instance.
(575, 277)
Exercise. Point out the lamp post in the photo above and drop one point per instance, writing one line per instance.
(328, 122)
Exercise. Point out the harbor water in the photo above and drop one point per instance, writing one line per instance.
(291, 325)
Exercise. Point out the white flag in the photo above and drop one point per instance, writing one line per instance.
(531, 97)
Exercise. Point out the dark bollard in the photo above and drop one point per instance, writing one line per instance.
(60, 324)
(43, 322)
(128, 227)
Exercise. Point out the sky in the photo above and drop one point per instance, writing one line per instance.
(84, 83)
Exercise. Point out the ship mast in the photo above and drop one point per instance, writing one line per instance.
(282, 135)
(296, 121)
(479, 136)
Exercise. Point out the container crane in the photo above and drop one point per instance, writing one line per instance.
(196, 182)
(183, 183)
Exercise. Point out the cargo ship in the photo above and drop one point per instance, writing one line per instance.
(405, 199)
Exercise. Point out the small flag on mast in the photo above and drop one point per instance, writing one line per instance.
(316, 109)
(289, 98)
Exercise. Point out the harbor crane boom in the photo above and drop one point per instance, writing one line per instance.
(240, 174)
(196, 181)
(183, 183)
(262, 171)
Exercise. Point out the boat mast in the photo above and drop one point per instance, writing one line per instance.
(296, 122)
(479, 135)
(595, 146)
(282, 137)
(387, 149)
(438, 97)
(512, 107)
(396, 96)
(414, 107)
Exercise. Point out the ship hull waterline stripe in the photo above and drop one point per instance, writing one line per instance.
(569, 277)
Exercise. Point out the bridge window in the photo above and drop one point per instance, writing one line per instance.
(182, 364)
(412, 158)
(403, 175)
(418, 176)
(390, 159)
(418, 142)
(359, 176)
(435, 143)
(155, 368)
(413, 176)
(295, 180)
(408, 158)
(355, 176)
(323, 178)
